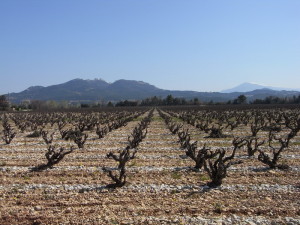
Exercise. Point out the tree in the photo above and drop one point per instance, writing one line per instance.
(4, 104)
(242, 99)
(37, 104)
(196, 101)
(51, 104)
(169, 100)
(127, 103)
(84, 105)
(110, 104)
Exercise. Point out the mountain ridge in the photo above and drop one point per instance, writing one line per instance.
(80, 90)
(248, 86)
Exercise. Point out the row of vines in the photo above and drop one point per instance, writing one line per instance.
(268, 133)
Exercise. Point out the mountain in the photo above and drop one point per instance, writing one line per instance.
(130, 89)
(79, 90)
(246, 87)
(76, 89)
(89, 90)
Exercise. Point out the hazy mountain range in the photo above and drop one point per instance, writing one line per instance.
(79, 90)
(245, 87)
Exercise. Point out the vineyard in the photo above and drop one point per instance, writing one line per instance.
(151, 166)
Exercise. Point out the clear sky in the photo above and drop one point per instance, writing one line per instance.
(201, 45)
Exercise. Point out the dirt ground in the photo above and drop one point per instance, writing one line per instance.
(161, 189)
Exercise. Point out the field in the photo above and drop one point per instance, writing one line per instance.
(162, 185)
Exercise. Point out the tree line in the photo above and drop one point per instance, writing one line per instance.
(151, 101)
(241, 99)
(158, 101)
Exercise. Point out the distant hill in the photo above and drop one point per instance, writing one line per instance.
(246, 87)
(79, 90)
(89, 90)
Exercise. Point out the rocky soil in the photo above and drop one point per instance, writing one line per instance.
(162, 187)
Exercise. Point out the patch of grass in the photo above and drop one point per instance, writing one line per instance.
(164, 172)
(157, 118)
(113, 221)
(62, 179)
(25, 177)
(296, 143)
(204, 177)
(175, 191)
(95, 174)
(130, 177)
(133, 163)
(2, 163)
(176, 175)
(138, 119)
(175, 119)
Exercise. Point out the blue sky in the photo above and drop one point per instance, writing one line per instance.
(201, 45)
